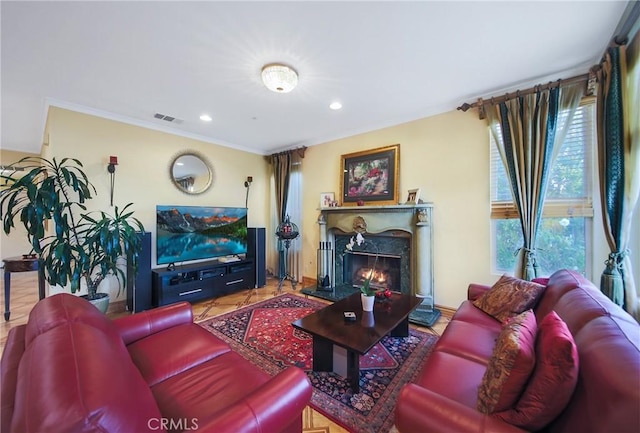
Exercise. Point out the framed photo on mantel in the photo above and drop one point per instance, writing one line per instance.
(327, 199)
(371, 176)
(413, 196)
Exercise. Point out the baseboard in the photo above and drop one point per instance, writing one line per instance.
(446, 311)
(309, 282)
(117, 307)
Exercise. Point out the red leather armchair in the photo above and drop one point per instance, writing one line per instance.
(72, 369)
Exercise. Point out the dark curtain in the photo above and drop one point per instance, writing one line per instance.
(282, 174)
(281, 163)
(619, 161)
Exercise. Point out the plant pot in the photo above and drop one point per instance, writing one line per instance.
(101, 301)
(367, 302)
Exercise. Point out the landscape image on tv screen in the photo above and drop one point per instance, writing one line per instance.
(186, 233)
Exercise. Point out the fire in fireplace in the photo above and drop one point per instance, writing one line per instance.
(385, 275)
(379, 279)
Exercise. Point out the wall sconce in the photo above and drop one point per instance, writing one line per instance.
(247, 184)
(111, 168)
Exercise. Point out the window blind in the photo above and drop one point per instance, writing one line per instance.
(568, 188)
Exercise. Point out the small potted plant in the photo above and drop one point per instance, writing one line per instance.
(80, 246)
(367, 293)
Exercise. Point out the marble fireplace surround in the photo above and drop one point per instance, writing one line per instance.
(411, 223)
(393, 243)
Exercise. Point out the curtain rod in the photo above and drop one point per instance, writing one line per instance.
(480, 103)
(300, 151)
(629, 18)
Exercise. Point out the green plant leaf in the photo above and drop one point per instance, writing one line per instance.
(80, 243)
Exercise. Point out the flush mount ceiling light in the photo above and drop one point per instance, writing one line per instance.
(279, 78)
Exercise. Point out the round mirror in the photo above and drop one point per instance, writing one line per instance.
(191, 173)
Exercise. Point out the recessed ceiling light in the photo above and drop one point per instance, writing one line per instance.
(335, 105)
(205, 118)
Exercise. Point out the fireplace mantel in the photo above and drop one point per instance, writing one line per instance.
(393, 220)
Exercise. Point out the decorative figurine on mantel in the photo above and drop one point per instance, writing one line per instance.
(423, 216)
(359, 225)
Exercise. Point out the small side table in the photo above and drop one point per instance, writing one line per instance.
(20, 264)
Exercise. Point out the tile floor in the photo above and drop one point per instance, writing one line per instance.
(24, 294)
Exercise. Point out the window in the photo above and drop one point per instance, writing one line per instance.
(564, 234)
(294, 210)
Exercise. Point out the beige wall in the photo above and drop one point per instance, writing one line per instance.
(16, 244)
(144, 157)
(447, 157)
(142, 176)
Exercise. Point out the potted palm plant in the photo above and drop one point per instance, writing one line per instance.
(81, 246)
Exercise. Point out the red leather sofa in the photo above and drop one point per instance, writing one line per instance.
(71, 369)
(606, 398)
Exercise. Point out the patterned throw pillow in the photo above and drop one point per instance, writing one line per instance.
(509, 296)
(510, 365)
(553, 380)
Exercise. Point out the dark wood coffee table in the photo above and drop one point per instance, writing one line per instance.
(329, 328)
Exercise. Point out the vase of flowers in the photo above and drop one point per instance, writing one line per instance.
(367, 293)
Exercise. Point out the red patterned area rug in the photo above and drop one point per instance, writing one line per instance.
(262, 333)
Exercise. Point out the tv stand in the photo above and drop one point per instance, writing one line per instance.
(199, 281)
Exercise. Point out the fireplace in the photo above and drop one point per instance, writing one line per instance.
(403, 232)
(394, 253)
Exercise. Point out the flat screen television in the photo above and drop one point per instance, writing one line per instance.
(185, 233)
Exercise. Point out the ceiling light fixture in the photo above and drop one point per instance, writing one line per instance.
(205, 118)
(279, 78)
(335, 105)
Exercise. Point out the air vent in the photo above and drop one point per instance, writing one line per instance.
(167, 118)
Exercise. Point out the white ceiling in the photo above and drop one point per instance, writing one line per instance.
(387, 62)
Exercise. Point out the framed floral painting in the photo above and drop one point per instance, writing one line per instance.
(371, 176)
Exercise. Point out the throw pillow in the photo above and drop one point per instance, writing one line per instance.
(510, 365)
(553, 380)
(509, 296)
